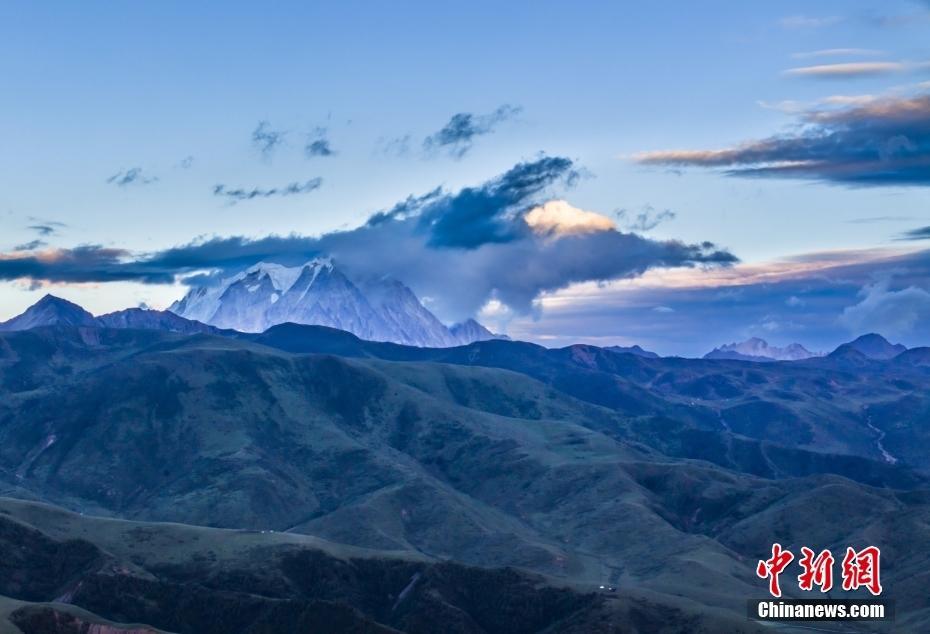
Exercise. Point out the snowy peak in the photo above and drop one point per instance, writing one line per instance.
(283, 277)
(319, 293)
(470, 331)
(50, 311)
(756, 349)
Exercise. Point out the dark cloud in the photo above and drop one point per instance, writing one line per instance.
(239, 194)
(921, 233)
(47, 228)
(645, 220)
(32, 245)
(318, 144)
(487, 214)
(458, 249)
(89, 263)
(132, 176)
(886, 142)
(458, 135)
(265, 139)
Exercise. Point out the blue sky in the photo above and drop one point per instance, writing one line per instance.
(176, 91)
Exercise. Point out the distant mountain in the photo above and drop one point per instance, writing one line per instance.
(470, 331)
(145, 319)
(756, 349)
(54, 311)
(50, 311)
(873, 346)
(318, 293)
(635, 349)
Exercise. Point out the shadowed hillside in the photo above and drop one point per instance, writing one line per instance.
(663, 476)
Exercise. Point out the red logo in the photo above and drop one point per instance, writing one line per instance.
(773, 567)
(818, 571)
(860, 569)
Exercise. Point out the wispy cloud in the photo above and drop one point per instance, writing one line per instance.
(647, 219)
(458, 135)
(239, 194)
(886, 142)
(839, 52)
(809, 22)
(132, 176)
(318, 144)
(851, 69)
(921, 233)
(266, 139)
(46, 228)
(879, 219)
(394, 146)
(32, 245)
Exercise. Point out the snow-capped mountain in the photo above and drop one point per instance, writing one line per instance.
(318, 293)
(470, 330)
(756, 349)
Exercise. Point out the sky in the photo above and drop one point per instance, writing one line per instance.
(678, 175)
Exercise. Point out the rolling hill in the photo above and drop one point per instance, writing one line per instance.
(668, 477)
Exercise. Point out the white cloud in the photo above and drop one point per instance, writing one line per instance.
(557, 217)
(893, 313)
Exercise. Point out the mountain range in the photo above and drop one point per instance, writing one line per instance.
(319, 293)
(310, 474)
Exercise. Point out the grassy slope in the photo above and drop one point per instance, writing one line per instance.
(484, 465)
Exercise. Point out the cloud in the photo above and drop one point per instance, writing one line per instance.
(462, 249)
(558, 218)
(646, 220)
(458, 135)
(855, 69)
(239, 194)
(32, 245)
(921, 233)
(894, 313)
(394, 146)
(318, 144)
(878, 219)
(809, 22)
(88, 263)
(266, 139)
(710, 307)
(886, 142)
(132, 176)
(47, 228)
(838, 52)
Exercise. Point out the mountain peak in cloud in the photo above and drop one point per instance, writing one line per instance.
(756, 349)
(376, 308)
